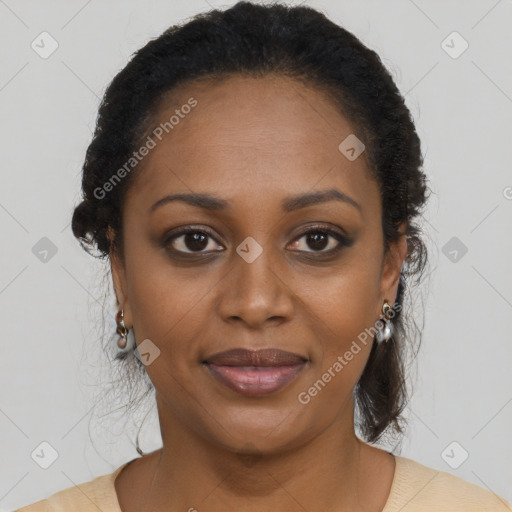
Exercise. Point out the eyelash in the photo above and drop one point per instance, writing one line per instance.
(343, 240)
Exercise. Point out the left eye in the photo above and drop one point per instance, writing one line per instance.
(318, 240)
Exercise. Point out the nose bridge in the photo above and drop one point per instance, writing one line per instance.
(255, 266)
(255, 291)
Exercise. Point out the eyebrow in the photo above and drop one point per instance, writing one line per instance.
(292, 203)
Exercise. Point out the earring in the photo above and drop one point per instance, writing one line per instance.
(139, 451)
(384, 325)
(121, 330)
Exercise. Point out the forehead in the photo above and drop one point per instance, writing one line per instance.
(270, 136)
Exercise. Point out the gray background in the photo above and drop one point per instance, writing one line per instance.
(51, 358)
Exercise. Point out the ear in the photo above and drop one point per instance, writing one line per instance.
(392, 265)
(119, 280)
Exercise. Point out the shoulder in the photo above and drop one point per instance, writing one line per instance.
(418, 488)
(97, 494)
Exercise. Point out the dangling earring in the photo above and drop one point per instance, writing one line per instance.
(139, 451)
(121, 330)
(384, 325)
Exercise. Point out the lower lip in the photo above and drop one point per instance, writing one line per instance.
(255, 381)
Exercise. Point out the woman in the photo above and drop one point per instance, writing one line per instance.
(254, 180)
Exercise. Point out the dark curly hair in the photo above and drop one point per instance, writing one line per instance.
(297, 42)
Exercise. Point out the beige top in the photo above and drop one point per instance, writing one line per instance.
(415, 488)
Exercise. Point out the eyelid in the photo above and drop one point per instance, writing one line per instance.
(323, 227)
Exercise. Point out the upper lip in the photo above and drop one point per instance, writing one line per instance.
(262, 357)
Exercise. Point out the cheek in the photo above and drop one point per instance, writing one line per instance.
(162, 297)
(171, 313)
(342, 305)
(346, 297)
(168, 309)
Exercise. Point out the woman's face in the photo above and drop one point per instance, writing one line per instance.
(248, 275)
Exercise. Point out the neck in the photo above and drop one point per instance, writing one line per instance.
(332, 471)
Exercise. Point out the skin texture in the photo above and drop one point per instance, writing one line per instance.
(255, 142)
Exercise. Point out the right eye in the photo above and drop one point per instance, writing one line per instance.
(191, 241)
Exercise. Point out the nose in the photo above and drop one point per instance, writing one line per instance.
(256, 293)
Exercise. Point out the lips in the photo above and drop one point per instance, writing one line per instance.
(255, 372)
(264, 357)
